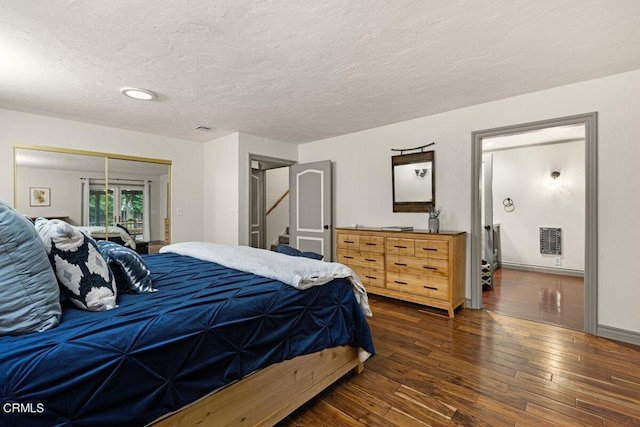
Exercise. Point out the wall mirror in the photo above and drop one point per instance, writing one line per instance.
(103, 193)
(413, 182)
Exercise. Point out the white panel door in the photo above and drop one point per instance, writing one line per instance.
(310, 212)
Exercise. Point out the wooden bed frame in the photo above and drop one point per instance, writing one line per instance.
(269, 395)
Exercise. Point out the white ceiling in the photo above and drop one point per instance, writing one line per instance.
(550, 135)
(298, 71)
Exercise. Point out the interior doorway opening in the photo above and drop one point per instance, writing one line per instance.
(268, 201)
(533, 225)
(484, 228)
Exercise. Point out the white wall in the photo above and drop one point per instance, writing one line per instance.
(186, 157)
(524, 175)
(221, 190)
(363, 174)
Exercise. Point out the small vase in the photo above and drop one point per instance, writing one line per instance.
(434, 225)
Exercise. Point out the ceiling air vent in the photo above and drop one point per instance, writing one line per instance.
(203, 128)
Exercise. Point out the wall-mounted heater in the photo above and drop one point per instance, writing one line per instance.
(550, 241)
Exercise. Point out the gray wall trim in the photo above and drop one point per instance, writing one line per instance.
(542, 269)
(619, 334)
(591, 231)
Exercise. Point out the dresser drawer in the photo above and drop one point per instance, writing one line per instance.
(430, 287)
(432, 249)
(370, 276)
(400, 246)
(372, 244)
(362, 259)
(348, 241)
(419, 266)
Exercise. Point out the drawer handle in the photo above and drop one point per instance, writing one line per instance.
(370, 244)
(348, 257)
(399, 247)
(370, 260)
(400, 283)
(429, 249)
(400, 264)
(429, 268)
(370, 277)
(430, 287)
(349, 241)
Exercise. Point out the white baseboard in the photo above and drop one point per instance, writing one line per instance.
(540, 269)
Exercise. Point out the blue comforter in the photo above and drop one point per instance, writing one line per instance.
(206, 326)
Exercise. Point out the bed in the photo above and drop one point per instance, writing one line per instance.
(214, 345)
(118, 234)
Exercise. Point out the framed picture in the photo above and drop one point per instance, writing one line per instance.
(39, 196)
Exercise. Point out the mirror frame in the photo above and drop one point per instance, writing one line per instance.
(105, 156)
(406, 159)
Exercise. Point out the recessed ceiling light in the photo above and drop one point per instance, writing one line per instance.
(139, 94)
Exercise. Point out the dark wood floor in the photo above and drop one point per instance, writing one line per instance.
(542, 297)
(480, 369)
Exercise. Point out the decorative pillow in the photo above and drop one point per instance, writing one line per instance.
(29, 294)
(128, 267)
(288, 250)
(83, 273)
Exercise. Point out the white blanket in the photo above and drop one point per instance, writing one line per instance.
(98, 231)
(299, 272)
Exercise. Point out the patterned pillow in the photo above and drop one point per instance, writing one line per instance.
(29, 294)
(288, 250)
(83, 274)
(128, 267)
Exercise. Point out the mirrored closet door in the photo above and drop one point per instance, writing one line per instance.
(110, 196)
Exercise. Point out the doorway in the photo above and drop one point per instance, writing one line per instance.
(533, 185)
(268, 201)
(483, 238)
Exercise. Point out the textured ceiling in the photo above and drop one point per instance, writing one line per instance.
(299, 70)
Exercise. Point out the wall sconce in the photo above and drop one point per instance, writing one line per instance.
(555, 174)
(421, 172)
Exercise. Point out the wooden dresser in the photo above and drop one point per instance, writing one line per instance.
(417, 266)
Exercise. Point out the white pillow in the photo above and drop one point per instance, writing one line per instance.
(83, 273)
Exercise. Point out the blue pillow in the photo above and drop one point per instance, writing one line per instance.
(128, 267)
(288, 250)
(83, 273)
(29, 294)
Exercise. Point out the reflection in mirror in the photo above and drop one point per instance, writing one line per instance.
(138, 198)
(413, 182)
(135, 197)
(60, 174)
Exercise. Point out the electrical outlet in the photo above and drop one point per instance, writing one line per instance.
(558, 262)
